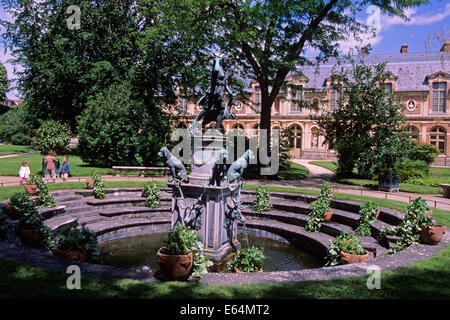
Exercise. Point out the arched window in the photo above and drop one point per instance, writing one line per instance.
(438, 138)
(295, 140)
(238, 126)
(413, 133)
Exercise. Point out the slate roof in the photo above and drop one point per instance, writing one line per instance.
(411, 69)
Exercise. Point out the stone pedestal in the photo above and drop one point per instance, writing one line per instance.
(212, 201)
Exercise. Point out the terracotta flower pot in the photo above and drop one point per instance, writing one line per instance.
(239, 271)
(31, 189)
(11, 212)
(175, 267)
(432, 235)
(348, 258)
(327, 215)
(89, 183)
(143, 193)
(72, 255)
(31, 238)
(378, 214)
(429, 212)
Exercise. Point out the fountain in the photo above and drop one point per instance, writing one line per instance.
(208, 200)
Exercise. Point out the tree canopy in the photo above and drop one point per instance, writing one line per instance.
(4, 86)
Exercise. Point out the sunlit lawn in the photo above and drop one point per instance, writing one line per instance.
(6, 149)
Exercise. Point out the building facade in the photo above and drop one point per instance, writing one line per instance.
(422, 80)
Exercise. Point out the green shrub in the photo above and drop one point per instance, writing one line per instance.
(423, 151)
(152, 194)
(409, 229)
(117, 125)
(83, 239)
(319, 207)
(52, 135)
(45, 199)
(262, 202)
(427, 181)
(99, 186)
(4, 226)
(344, 242)
(412, 168)
(16, 125)
(22, 203)
(368, 211)
(248, 260)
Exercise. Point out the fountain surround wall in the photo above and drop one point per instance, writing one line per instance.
(212, 201)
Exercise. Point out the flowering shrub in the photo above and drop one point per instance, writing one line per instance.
(99, 186)
(262, 200)
(152, 195)
(368, 213)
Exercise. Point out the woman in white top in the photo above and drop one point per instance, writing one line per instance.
(24, 173)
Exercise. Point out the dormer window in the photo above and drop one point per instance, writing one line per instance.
(335, 97)
(439, 96)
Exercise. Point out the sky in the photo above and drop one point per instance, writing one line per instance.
(390, 35)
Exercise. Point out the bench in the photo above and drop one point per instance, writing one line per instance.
(446, 188)
(142, 169)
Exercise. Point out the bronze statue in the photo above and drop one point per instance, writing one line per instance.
(176, 166)
(213, 102)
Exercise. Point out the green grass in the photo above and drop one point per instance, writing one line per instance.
(295, 172)
(440, 173)
(330, 165)
(425, 279)
(6, 149)
(11, 166)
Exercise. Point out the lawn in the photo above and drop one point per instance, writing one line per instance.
(295, 172)
(436, 173)
(6, 149)
(425, 279)
(11, 166)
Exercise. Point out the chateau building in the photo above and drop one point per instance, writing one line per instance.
(422, 80)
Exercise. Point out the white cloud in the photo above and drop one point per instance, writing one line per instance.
(415, 19)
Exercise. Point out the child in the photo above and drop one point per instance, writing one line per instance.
(65, 169)
(24, 173)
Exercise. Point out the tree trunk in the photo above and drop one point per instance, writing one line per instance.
(265, 121)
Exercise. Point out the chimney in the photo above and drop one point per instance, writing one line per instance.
(404, 48)
(446, 47)
(364, 51)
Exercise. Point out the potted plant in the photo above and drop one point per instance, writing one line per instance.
(151, 192)
(33, 232)
(346, 249)
(369, 213)
(262, 201)
(175, 259)
(45, 199)
(18, 204)
(248, 260)
(431, 232)
(31, 186)
(99, 186)
(77, 244)
(326, 194)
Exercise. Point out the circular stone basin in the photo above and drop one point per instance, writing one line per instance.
(139, 251)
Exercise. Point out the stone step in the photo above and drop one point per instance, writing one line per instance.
(131, 216)
(372, 245)
(111, 212)
(330, 228)
(117, 224)
(47, 213)
(57, 224)
(67, 197)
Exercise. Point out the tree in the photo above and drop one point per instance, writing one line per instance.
(52, 135)
(16, 125)
(65, 68)
(269, 38)
(4, 87)
(368, 132)
(117, 129)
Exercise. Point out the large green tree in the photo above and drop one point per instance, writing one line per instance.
(269, 38)
(4, 87)
(64, 67)
(367, 130)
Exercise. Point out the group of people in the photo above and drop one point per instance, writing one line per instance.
(50, 163)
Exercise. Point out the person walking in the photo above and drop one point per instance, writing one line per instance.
(65, 169)
(24, 172)
(50, 161)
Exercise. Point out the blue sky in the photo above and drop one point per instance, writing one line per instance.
(393, 32)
